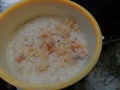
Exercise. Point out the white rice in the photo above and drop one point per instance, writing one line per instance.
(39, 69)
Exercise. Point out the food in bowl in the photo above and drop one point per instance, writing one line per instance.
(47, 49)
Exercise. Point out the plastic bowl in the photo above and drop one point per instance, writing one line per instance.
(27, 9)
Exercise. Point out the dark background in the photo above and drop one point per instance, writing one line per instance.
(107, 14)
(106, 74)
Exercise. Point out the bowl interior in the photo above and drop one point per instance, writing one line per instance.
(25, 11)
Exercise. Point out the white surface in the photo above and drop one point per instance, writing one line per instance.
(10, 2)
(6, 3)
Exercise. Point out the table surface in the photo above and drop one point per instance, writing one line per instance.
(106, 74)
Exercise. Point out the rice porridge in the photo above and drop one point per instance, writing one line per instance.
(47, 50)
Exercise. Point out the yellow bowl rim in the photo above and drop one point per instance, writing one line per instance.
(75, 78)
